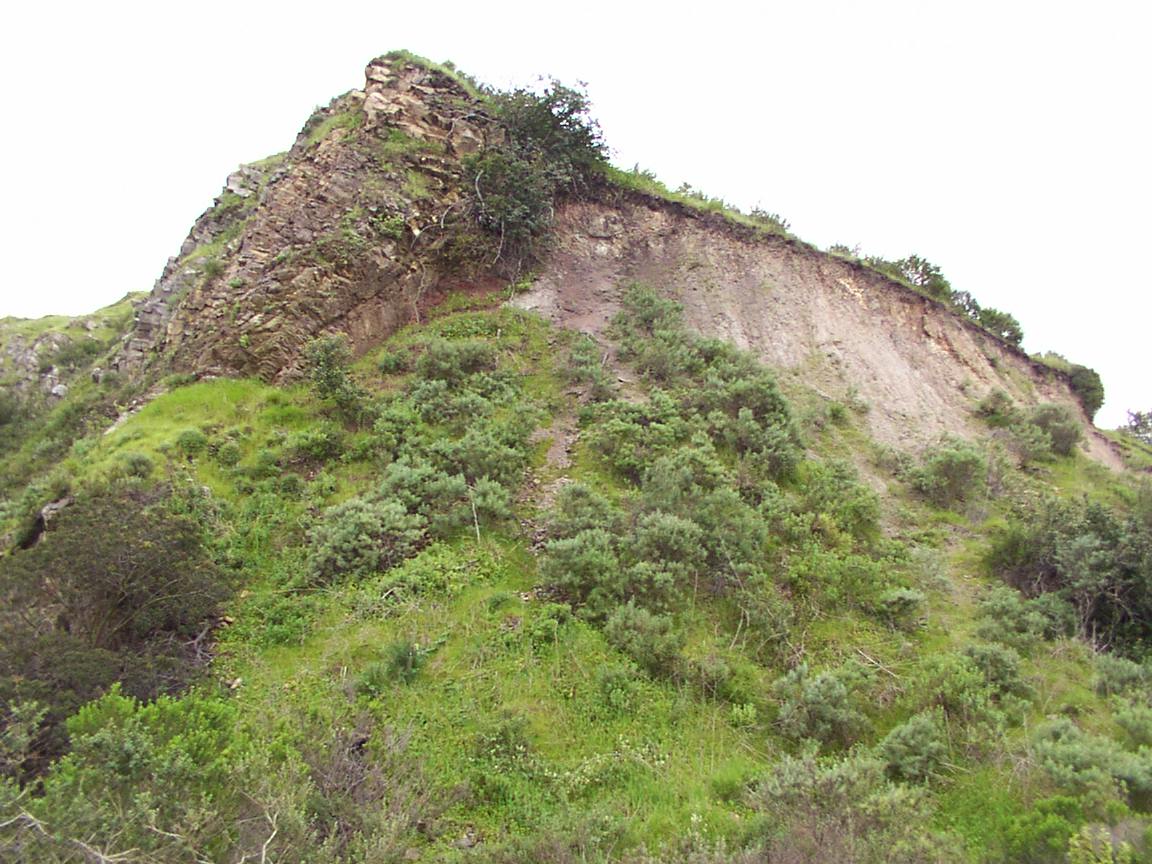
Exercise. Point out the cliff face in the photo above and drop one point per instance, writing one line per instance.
(346, 233)
(336, 235)
(841, 327)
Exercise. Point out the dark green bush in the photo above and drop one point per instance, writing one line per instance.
(327, 362)
(1087, 557)
(585, 566)
(553, 147)
(1059, 424)
(1090, 765)
(955, 684)
(138, 465)
(454, 361)
(653, 641)
(191, 442)
(229, 453)
(952, 473)
(393, 363)
(580, 508)
(901, 607)
(1117, 675)
(1000, 666)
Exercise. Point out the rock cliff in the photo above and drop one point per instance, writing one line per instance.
(347, 232)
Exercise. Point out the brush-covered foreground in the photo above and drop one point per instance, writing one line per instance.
(497, 592)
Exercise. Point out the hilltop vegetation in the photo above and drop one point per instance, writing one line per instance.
(497, 591)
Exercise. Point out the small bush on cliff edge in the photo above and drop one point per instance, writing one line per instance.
(553, 147)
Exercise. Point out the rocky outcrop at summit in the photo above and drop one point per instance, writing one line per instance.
(336, 235)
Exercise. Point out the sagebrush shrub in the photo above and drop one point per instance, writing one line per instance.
(817, 707)
(916, 749)
(651, 640)
(361, 536)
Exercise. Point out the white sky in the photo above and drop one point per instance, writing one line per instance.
(1009, 143)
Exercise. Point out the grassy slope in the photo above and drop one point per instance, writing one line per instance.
(669, 760)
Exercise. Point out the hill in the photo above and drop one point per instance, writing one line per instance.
(454, 496)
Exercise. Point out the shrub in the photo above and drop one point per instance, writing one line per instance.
(955, 684)
(228, 453)
(123, 567)
(1030, 444)
(453, 361)
(361, 536)
(1089, 559)
(168, 763)
(901, 607)
(393, 363)
(1094, 844)
(997, 409)
(1041, 834)
(544, 628)
(1000, 667)
(401, 664)
(1091, 765)
(1136, 721)
(481, 452)
(1058, 423)
(916, 749)
(552, 147)
(319, 443)
(1088, 387)
(672, 544)
(138, 465)
(1009, 618)
(191, 442)
(817, 707)
(326, 363)
(833, 488)
(833, 812)
(585, 366)
(580, 508)
(651, 640)
(617, 686)
(585, 566)
(1116, 675)
(952, 473)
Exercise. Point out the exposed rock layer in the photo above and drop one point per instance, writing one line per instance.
(342, 234)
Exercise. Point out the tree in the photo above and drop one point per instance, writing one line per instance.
(1140, 425)
(1001, 324)
(925, 275)
(1088, 387)
(327, 360)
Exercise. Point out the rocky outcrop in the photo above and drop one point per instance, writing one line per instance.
(336, 236)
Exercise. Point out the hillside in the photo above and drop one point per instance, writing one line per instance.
(455, 497)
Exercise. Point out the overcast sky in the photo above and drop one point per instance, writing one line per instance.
(1009, 143)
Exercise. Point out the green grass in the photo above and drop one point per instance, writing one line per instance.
(674, 758)
(348, 121)
(465, 81)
